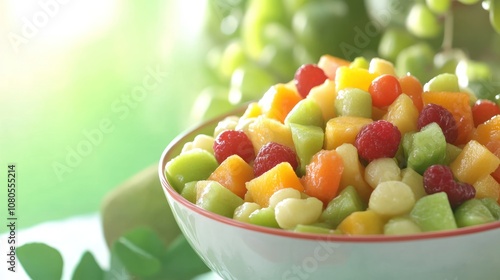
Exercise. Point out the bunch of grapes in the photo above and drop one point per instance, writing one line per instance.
(448, 36)
(252, 44)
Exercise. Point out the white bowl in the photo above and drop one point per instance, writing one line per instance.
(240, 251)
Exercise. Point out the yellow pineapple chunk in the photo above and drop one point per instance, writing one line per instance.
(264, 130)
(342, 130)
(487, 186)
(362, 223)
(347, 77)
(325, 95)
(403, 114)
(253, 110)
(474, 162)
(353, 171)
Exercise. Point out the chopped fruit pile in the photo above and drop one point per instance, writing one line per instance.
(350, 148)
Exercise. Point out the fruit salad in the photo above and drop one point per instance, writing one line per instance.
(350, 148)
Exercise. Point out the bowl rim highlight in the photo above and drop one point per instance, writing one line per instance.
(175, 146)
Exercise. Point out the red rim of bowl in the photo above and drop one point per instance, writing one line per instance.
(178, 142)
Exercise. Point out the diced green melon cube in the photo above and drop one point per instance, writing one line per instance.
(189, 191)
(492, 205)
(427, 148)
(216, 198)
(264, 217)
(353, 102)
(306, 112)
(452, 153)
(433, 213)
(341, 206)
(193, 165)
(473, 212)
(308, 140)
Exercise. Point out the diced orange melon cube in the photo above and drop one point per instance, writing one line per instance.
(474, 162)
(353, 171)
(323, 174)
(403, 114)
(233, 173)
(488, 134)
(459, 106)
(347, 77)
(325, 95)
(281, 176)
(487, 187)
(264, 130)
(330, 64)
(362, 223)
(278, 101)
(412, 87)
(342, 130)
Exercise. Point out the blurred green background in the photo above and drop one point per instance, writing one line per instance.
(90, 95)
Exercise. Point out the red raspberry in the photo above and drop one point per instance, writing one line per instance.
(439, 178)
(271, 155)
(232, 142)
(440, 115)
(307, 77)
(378, 139)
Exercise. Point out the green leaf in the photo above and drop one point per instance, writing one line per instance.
(117, 270)
(88, 268)
(182, 261)
(40, 261)
(140, 251)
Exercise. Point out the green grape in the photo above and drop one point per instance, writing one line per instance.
(278, 61)
(417, 60)
(317, 27)
(279, 49)
(472, 71)
(211, 102)
(495, 14)
(438, 6)
(232, 57)
(497, 99)
(249, 82)
(293, 6)
(468, 2)
(259, 13)
(421, 22)
(393, 41)
(339, 28)
(472, 30)
(447, 61)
